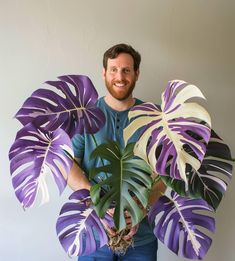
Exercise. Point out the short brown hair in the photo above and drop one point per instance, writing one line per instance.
(115, 50)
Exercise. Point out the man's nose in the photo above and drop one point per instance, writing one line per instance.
(120, 75)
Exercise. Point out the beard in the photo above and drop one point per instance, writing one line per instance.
(120, 93)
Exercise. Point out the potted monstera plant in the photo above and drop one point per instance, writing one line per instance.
(176, 142)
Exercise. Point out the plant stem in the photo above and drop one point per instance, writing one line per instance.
(96, 144)
(156, 180)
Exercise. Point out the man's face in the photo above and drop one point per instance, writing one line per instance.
(120, 77)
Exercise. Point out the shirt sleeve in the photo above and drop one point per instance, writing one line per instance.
(78, 145)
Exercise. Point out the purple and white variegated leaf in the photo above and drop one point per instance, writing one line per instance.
(166, 139)
(215, 173)
(79, 228)
(210, 181)
(35, 154)
(179, 223)
(68, 103)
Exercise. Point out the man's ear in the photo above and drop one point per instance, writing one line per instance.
(103, 73)
(137, 73)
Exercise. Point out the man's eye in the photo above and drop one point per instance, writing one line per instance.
(127, 70)
(113, 70)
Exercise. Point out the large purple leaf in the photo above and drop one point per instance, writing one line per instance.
(79, 228)
(211, 180)
(35, 154)
(179, 223)
(166, 139)
(71, 106)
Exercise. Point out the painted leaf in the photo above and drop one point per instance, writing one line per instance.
(179, 225)
(69, 103)
(127, 178)
(78, 226)
(211, 180)
(166, 138)
(34, 155)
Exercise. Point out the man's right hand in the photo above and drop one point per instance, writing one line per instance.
(113, 232)
(110, 230)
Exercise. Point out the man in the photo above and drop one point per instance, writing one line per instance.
(120, 73)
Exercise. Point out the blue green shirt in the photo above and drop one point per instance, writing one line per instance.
(83, 145)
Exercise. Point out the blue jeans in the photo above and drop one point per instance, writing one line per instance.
(146, 252)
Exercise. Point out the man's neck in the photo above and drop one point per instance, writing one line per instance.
(118, 105)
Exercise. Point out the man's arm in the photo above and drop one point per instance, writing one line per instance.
(77, 178)
(156, 192)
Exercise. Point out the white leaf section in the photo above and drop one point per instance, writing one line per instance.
(81, 226)
(68, 149)
(42, 187)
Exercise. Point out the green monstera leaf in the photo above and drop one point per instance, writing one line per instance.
(126, 184)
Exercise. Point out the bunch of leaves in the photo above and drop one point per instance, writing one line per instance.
(177, 143)
(51, 116)
(173, 143)
(127, 182)
(179, 221)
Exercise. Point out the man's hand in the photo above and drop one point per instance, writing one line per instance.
(77, 179)
(110, 230)
(133, 229)
(113, 232)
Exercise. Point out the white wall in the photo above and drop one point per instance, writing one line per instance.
(187, 39)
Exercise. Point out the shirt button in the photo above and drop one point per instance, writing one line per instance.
(117, 127)
(118, 120)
